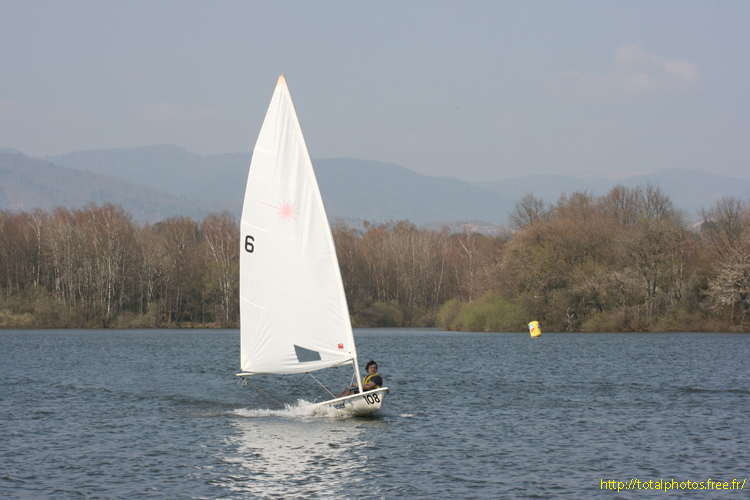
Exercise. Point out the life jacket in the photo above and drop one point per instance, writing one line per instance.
(367, 379)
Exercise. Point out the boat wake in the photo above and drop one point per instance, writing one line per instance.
(395, 413)
(305, 409)
(301, 409)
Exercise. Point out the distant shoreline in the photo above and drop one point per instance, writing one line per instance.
(393, 328)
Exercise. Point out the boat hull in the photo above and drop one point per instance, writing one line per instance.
(356, 405)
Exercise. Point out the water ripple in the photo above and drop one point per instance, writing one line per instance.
(159, 414)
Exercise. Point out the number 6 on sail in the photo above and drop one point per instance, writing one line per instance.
(293, 312)
(249, 247)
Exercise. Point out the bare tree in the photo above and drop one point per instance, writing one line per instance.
(528, 210)
(731, 286)
(182, 288)
(221, 234)
(725, 226)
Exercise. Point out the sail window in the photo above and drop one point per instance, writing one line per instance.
(304, 355)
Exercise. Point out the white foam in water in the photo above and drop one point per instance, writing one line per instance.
(390, 411)
(302, 409)
(306, 409)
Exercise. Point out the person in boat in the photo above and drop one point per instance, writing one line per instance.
(370, 382)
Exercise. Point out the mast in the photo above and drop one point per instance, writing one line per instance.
(359, 379)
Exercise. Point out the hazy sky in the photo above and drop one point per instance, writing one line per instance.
(475, 90)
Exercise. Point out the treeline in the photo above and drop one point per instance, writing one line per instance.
(96, 268)
(625, 261)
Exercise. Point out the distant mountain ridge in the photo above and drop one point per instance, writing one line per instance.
(160, 181)
(28, 183)
(354, 190)
(689, 189)
(165, 167)
(377, 191)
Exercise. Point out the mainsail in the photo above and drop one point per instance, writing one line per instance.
(293, 311)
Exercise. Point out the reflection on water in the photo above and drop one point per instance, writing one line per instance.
(293, 453)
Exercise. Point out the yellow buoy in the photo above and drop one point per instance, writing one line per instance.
(534, 329)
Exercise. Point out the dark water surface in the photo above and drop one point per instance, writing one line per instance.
(159, 414)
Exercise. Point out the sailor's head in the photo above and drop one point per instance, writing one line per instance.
(369, 364)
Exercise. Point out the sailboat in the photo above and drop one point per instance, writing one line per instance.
(293, 312)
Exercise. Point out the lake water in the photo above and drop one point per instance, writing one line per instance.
(159, 414)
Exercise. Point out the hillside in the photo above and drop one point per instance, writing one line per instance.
(354, 190)
(28, 183)
(160, 180)
(689, 189)
(377, 191)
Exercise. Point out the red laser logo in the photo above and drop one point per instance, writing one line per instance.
(286, 210)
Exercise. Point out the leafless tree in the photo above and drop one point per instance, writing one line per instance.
(725, 226)
(221, 234)
(528, 210)
(730, 288)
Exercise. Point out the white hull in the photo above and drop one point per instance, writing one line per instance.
(356, 405)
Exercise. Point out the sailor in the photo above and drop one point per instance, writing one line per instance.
(370, 382)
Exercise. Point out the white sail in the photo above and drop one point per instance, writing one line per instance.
(293, 311)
